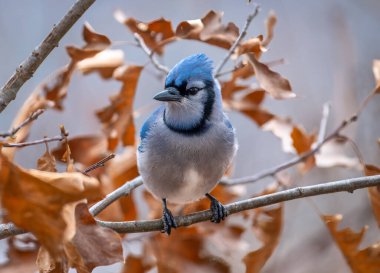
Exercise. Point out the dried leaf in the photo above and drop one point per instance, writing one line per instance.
(118, 116)
(185, 252)
(86, 245)
(121, 169)
(135, 264)
(259, 116)
(360, 261)
(302, 143)
(334, 153)
(270, 24)
(272, 82)
(267, 226)
(95, 43)
(47, 161)
(281, 128)
(255, 96)
(374, 192)
(210, 30)
(153, 33)
(86, 150)
(104, 63)
(253, 45)
(34, 200)
(92, 245)
(55, 90)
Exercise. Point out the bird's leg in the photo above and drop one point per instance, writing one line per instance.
(167, 219)
(219, 212)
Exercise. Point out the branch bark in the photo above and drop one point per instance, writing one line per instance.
(116, 194)
(347, 185)
(149, 53)
(34, 142)
(27, 68)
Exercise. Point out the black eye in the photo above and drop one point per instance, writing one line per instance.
(193, 90)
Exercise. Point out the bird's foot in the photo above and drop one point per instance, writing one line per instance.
(219, 212)
(167, 219)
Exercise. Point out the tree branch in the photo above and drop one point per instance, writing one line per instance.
(27, 68)
(148, 52)
(116, 194)
(34, 142)
(347, 185)
(98, 164)
(237, 41)
(29, 119)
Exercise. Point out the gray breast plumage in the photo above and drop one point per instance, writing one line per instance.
(183, 168)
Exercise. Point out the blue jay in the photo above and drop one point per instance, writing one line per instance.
(188, 142)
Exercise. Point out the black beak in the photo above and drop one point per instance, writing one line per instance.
(170, 94)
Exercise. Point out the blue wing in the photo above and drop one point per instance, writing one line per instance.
(148, 124)
(227, 122)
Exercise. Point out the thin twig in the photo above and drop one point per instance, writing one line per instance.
(148, 52)
(324, 121)
(272, 171)
(347, 185)
(9, 229)
(27, 68)
(116, 194)
(98, 164)
(236, 67)
(33, 116)
(237, 41)
(35, 142)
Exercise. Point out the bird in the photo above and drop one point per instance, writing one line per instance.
(188, 142)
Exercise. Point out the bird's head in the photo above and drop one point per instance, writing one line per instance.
(190, 92)
(190, 89)
(189, 81)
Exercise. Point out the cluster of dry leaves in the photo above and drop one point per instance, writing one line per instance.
(53, 206)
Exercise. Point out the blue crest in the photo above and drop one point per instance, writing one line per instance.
(197, 66)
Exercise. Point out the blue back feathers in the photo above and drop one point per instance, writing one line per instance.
(197, 66)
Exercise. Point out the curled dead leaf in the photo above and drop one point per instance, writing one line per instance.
(34, 200)
(104, 63)
(209, 29)
(267, 226)
(272, 82)
(117, 118)
(153, 33)
(334, 153)
(47, 161)
(95, 43)
(366, 260)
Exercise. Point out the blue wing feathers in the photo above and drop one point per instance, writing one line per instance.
(148, 124)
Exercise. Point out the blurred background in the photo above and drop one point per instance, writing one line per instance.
(328, 47)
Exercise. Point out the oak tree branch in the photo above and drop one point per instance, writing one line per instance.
(27, 68)
(346, 185)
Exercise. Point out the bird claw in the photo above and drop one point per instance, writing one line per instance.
(168, 221)
(219, 212)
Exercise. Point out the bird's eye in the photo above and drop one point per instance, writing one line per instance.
(192, 90)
